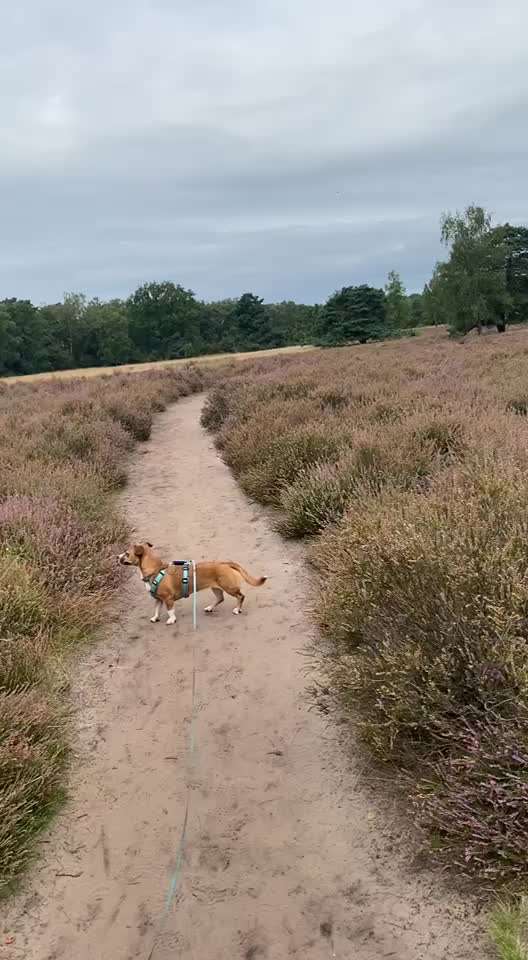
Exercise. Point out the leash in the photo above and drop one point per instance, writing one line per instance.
(176, 875)
(195, 622)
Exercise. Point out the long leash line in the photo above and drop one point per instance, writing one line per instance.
(180, 852)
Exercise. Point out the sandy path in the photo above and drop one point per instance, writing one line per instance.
(284, 856)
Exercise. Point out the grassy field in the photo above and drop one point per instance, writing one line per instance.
(214, 359)
(63, 452)
(405, 465)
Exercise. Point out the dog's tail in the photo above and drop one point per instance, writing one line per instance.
(253, 581)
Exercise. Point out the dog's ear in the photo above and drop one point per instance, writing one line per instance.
(149, 544)
(138, 550)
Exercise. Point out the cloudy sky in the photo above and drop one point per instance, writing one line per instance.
(286, 147)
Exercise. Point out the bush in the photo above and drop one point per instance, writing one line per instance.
(476, 800)
(32, 760)
(321, 494)
(426, 626)
(284, 457)
(426, 591)
(408, 463)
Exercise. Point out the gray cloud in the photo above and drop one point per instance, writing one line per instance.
(283, 148)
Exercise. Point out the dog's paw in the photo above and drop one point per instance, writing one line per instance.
(154, 619)
(208, 609)
(236, 611)
(170, 623)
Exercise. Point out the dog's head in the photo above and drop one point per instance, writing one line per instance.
(132, 556)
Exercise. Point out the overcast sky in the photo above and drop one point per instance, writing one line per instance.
(288, 147)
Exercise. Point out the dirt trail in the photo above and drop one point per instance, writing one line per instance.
(285, 856)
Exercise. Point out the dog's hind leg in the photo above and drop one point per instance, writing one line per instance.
(219, 594)
(231, 585)
(238, 609)
(172, 615)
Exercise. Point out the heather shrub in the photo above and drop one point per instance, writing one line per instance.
(58, 543)
(216, 408)
(428, 590)
(425, 630)
(419, 510)
(32, 761)
(84, 489)
(246, 441)
(136, 421)
(103, 443)
(334, 399)
(444, 437)
(23, 662)
(322, 493)
(475, 799)
(285, 455)
(24, 602)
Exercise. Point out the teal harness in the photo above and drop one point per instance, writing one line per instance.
(186, 564)
(154, 584)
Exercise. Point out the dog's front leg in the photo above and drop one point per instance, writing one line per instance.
(172, 615)
(155, 618)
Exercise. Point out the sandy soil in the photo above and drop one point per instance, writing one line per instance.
(285, 854)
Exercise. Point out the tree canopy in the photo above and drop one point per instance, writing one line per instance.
(353, 314)
(484, 281)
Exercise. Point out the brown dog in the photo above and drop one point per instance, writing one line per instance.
(219, 577)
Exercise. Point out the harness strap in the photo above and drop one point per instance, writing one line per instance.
(155, 582)
(186, 564)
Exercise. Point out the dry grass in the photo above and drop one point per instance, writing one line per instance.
(63, 449)
(509, 930)
(407, 465)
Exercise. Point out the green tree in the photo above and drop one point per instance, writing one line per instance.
(67, 333)
(353, 314)
(109, 341)
(164, 321)
(474, 274)
(251, 323)
(416, 310)
(9, 342)
(292, 323)
(513, 241)
(24, 327)
(436, 303)
(58, 340)
(218, 332)
(396, 303)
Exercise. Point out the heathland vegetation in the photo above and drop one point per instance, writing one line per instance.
(405, 465)
(484, 282)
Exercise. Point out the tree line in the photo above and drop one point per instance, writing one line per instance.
(483, 282)
(164, 321)
(160, 321)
